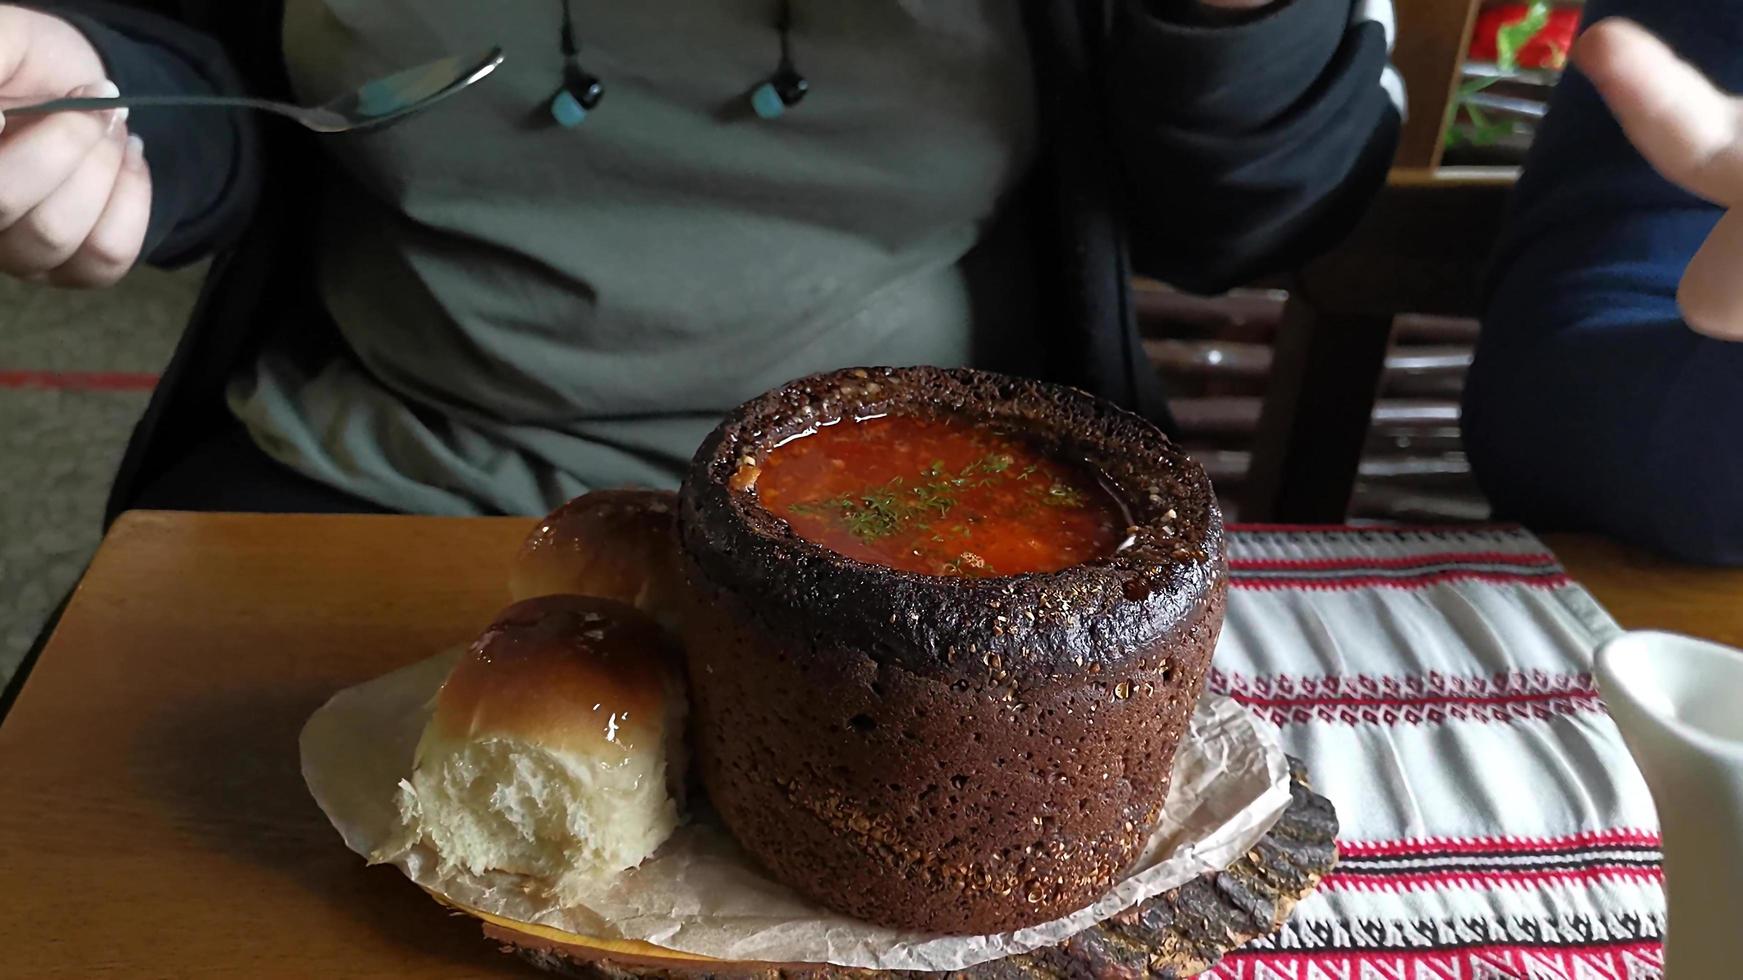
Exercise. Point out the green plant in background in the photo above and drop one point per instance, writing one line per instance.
(1509, 41)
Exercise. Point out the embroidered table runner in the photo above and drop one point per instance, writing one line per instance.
(1438, 685)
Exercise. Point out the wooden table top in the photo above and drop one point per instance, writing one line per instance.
(153, 820)
(1642, 591)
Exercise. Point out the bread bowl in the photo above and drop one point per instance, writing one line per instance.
(949, 749)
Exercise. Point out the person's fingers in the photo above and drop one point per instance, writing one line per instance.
(113, 246)
(1687, 129)
(36, 160)
(48, 234)
(14, 40)
(1711, 300)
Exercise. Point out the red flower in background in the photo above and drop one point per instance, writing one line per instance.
(1548, 48)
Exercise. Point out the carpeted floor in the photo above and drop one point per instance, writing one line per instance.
(76, 369)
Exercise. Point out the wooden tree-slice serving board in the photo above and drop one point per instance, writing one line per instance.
(1179, 933)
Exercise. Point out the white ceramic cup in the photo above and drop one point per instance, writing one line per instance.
(1679, 703)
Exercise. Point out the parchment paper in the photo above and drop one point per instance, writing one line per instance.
(703, 895)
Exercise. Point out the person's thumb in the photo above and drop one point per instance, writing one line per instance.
(1689, 131)
(1711, 295)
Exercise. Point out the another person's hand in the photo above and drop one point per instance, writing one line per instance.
(1692, 133)
(75, 193)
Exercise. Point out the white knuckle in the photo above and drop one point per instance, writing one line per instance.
(48, 235)
(110, 252)
(12, 206)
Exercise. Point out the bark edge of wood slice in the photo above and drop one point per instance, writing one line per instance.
(1179, 933)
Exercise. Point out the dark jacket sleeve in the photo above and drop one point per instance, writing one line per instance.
(204, 163)
(1246, 146)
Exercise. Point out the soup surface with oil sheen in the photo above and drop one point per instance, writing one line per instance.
(939, 496)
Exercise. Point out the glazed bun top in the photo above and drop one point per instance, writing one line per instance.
(617, 544)
(576, 674)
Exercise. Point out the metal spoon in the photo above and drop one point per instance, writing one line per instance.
(375, 103)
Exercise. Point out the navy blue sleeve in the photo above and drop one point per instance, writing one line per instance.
(1247, 147)
(1591, 405)
(204, 169)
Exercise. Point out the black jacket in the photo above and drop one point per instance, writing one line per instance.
(1201, 152)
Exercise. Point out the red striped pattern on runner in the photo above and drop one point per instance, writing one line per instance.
(1502, 558)
(1514, 878)
(1428, 699)
(1622, 854)
(1332, 584)
(1609, 961)
(1397, 571)
(1615, 837)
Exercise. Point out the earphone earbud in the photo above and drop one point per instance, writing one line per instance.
(781, 92)
(581, 91)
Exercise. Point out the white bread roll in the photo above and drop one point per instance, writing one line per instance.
(553, 745)
(620, 544)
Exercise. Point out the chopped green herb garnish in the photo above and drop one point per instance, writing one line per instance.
(880, 512)
(1058, 495)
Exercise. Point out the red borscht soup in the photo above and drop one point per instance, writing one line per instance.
(939, 496)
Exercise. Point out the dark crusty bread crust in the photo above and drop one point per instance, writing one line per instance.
(899, 799)
(946, 754)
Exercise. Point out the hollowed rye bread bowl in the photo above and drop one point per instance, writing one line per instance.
(938, 752)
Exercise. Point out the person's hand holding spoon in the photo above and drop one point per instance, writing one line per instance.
(1692, 133)
(75, 192)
